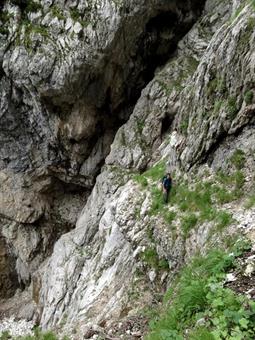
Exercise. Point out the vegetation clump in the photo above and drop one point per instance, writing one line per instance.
(200, 307)
(232, 107)
(238, 159)
(198, 202)
(151, 258)
(248, 97)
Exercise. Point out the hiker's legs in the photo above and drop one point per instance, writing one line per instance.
(166, 195)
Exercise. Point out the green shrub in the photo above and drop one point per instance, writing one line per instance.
(211, 87)
(169, 216)
(163, 264)
(4, 31)
(217, 106)
(150, 257)
(244, 39)
(57, 12)
(223, 220)
(184, 125)
(75, 14)
(33, 6)
(5, 335)
(232, 107)
(188, 223)
(238, 159)
(248, 97)
(239, 180)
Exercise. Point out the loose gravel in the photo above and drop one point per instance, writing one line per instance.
(16, 327)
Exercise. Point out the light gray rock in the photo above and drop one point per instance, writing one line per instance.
(70, 74)
(75, 93)
(109, 233)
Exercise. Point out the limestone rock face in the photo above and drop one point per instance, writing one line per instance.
(70, 74)
(188, 114)
(71, 81)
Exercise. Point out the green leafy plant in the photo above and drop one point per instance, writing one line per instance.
(199, 294)
(5, 335)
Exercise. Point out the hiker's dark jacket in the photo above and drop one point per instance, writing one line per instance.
(167, 183)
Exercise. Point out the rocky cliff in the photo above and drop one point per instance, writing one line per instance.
(98, 100)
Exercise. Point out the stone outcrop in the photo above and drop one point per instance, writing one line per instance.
(70, 74)
(188, 115)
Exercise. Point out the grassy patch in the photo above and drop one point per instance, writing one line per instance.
(216, 85)
(169, 216)
(156, 172)
(250, 202)
(232, 107)
(77, 16)
(199, 294)
(237, 12)
(223, 220)
(57, 12)
(151, 258)
(238, 159)
(141, 180)
(188, 222)
(184, 125)
(32, 6)
(232, 184)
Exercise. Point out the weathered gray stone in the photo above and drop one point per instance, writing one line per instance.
(69, 96)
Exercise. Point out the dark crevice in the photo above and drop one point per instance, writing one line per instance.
(166, 124)
(8, 277)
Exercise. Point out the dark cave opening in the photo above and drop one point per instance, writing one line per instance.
(154, 48)
(166, 124)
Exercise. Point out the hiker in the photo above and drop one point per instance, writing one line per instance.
(166, 186)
